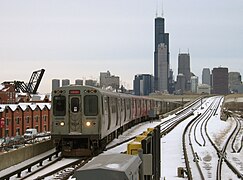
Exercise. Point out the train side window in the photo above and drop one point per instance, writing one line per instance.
(59, 106)
(90, 105)
(75, 105)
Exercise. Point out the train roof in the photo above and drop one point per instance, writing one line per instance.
(104, 91)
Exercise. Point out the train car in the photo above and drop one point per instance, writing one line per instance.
(85, 119)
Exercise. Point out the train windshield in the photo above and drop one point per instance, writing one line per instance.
(59, 105)
(90, 105)
(75, 105)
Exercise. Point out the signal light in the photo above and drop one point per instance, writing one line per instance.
(74, 91)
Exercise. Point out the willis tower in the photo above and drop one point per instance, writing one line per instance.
(161, 39)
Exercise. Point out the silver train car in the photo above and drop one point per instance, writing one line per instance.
(85, 119)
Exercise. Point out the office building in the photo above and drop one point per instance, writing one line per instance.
(162, 68)
(171, 82)
(206, 76)
(184, 68)
(234, 78)
(106, 80)
(203, 89)
(235, 84)
(194, 84)
(220, 81)
(160, 38)
(143, 84)
(180, 84)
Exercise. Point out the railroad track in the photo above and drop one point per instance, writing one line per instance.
(237, 140)
(65, 171)
(170, 124)
(221, 152)
(191, 133)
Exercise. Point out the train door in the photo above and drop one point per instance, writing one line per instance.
(107, 112)
(75, 114)
(125, 110)
(119, 111)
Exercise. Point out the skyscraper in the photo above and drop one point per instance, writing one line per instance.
(171, 82)
(180, 83)
(206, 77)
(235, 84)
(160, 37)
(184, 68)
(143, 84)
(234, 78)
(220, 80)
(194, 84)
(162, 68)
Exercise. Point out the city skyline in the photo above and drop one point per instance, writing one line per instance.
(78, 40)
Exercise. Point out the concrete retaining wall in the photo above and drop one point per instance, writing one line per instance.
(14, 157)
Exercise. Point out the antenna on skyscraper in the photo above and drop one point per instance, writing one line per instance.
(162, 13)
(156, 14)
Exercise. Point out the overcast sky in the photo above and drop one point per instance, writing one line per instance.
(78, 39)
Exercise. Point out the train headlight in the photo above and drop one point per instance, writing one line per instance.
(62, 123)
(88, 123)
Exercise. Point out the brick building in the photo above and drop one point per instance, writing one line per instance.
(16, 118)
(7, 94)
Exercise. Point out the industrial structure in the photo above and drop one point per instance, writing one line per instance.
(12, 92)
(32, 86)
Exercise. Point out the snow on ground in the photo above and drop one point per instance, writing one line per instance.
(134, 131)
(172, 152)
(220, 131)
(172, 147)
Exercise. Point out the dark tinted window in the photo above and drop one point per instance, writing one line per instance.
(75, 105)
(90, 105)
(59, 106)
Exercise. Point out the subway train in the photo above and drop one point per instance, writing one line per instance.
(85, 119)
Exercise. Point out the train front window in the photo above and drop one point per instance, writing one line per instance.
(75, 105)
(90, 105)
(59, 106)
